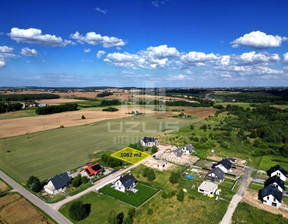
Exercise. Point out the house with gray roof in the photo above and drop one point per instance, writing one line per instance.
(275, 180)
(149, 142)
(127, 182)
(57, 184)
(216, 175)
(271, 195)
(188, 149)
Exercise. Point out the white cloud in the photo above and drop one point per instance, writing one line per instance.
(225, 60)
(87, 50)
(2, 62)
(198, 58)
(35, 36)
(5, 49)
(94, 39)
(103, 11)
(152, 57)
(253, 58)
(158, 3)
(29, 52)
(258, 40)
(100, 54)
(285, 57)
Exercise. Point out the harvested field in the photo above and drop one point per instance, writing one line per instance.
(59, 101)
(3, 186)
(21, 126)
(16, 209)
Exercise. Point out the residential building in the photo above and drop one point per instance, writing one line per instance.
(207, 188)
(149, 142)
(92, 170)
(126, 183)
(224, 165)
(278, 171)
(271, 195)
(57, 184)
(188, 149)
(276, 180)
(216, 175)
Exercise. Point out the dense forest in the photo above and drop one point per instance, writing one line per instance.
(28, 97)
(7, 107)
(105, 93)
(110, 102)
(202, 103)
(56, 109)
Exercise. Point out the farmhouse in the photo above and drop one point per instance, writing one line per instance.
(276, 180)
(278, 171)
(149, 142)
(224, 165)
(127, 182)
(207, 188)
(270, 195)
(92, 170)
(57, 184)
(216, 175)
(188, 149)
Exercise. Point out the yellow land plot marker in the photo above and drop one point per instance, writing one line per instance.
(130, 155)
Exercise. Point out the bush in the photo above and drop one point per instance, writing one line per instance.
(76, 182)
(154, 149)
(83, 117)
(110, 109)
(119, 218)
(128, 220)
(150, 211)
(84, 180)
(151, 175)
(180, 195)
(174, 177)
(34, 184)
(77, 211)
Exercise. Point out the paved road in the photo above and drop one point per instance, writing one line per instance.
(54, 214)
(99, 183)
(227, 219)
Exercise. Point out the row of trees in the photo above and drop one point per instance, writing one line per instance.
(202, 103)
(105, 93)
(7, 107)
(110, 109)
(28, 97)
(56, 109)
(110, 102)
(111, 161)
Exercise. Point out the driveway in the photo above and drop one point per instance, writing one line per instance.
(227, 219)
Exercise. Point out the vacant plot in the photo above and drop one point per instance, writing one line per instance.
(59, 101)
(51, 152)
(269, 161)
(247, 214)
(136, 199)
(4, 187)
(130, 155)
(16, 209)
(101, 205)
(21, 126)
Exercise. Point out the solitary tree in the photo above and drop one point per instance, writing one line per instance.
(83, 117)
(174, 177)
(34, 184)
(77, 211)
(119, 218)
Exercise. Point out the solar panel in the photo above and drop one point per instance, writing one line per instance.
(97, 167)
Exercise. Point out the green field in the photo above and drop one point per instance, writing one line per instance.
(269, 161)
(29, 112)
(100, 207)
(136, 199)
(130, 155)
(246, 214)
(47, 153)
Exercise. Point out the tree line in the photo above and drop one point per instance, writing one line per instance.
(110, 102)
(7, 107)
(28, 97)
(105, 93)
(56, 109)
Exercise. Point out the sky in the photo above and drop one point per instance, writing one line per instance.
(144, 43)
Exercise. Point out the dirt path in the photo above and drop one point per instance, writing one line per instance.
(227, 219)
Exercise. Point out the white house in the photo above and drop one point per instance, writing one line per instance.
(127, 182)
(276, 181)
(57, 184)
(224, 165)
(188, 149)
(277, 171)
(207, 188)
(270, 195)
(149, 142)
(161, 164)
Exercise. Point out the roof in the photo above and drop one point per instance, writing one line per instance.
(189, 147)
(218, 173)
(208, 186)
(275, 168)
(275, 179)
(273, 190)
(178, 152)
(224, 162)
(60, 181)
(128, 180)
(149, 139)
(93, 169)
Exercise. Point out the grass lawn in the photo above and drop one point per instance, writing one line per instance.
(257, 186)
(246, 214)
(227, 183)
(101, 205)
(136, 199)
(47, 153)
(269, 161)
(29, 112)
(130, 155)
